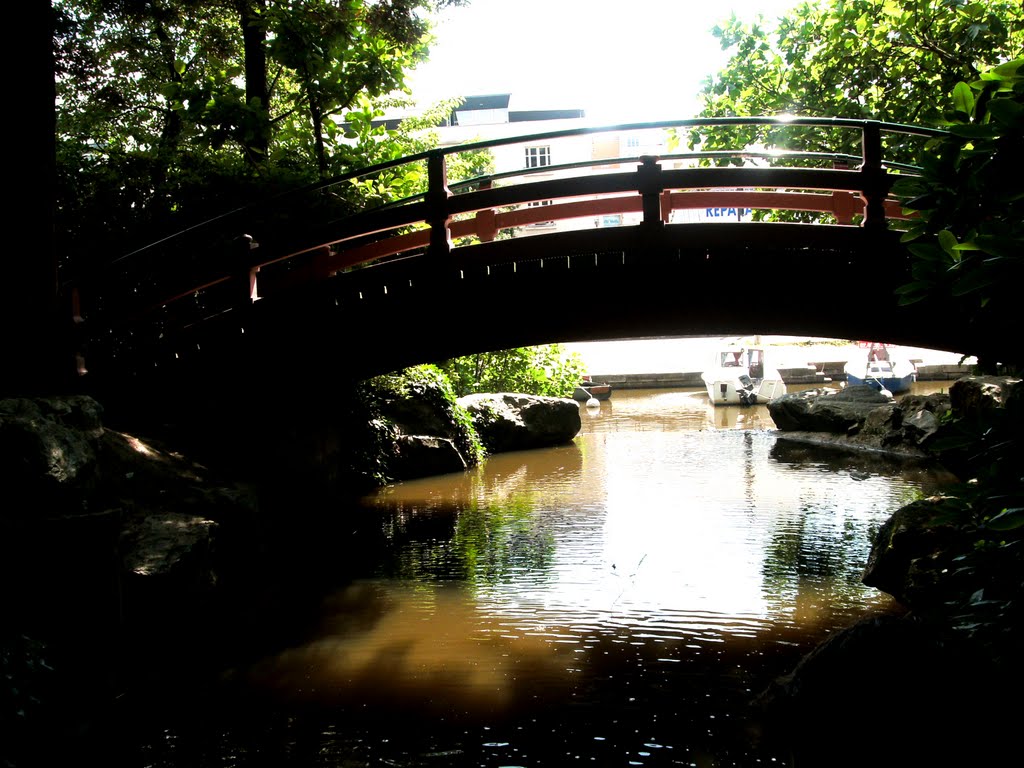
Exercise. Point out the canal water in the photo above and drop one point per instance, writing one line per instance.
(617, 601)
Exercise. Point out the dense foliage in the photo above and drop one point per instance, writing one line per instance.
(877, 59)
(544, 370)
(170, 113)
(940, 63)
(969, 242)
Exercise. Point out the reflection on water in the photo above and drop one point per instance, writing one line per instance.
(413, 647)
(615, 601)
(649, 410)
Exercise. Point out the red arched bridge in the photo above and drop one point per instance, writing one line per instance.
(523, 257)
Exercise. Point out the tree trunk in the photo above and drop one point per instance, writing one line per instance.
(257, 95)
(317, 118)
(36, 356)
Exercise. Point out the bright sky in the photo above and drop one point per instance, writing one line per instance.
(619, 60)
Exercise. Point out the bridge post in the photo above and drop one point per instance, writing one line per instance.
(438, 216)
(245, 272)
(650, 187)
(874, 179)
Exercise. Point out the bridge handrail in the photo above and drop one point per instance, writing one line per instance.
(470, 183)
(355, 173)
(782, 122)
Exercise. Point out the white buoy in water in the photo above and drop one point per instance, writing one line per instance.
(593, 403)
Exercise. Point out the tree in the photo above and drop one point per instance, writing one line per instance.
(172, 112)
(878, 59)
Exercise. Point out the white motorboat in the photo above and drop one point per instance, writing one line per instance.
(739, 376)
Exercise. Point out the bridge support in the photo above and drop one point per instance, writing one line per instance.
(438, 215)
(875, 184)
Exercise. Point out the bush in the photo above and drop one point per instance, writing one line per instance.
(545, 370)
(429, 388)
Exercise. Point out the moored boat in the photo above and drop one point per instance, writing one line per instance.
(879, 370)
(587, 389)
(739, 376)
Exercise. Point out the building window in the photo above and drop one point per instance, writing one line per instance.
(539, 204)
(537, 157)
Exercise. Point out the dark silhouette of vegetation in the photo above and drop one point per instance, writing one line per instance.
(968, 245)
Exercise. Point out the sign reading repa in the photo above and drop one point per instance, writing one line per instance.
(726, 213)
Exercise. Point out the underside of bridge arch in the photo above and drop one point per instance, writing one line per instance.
(684, 280)
(671, 280)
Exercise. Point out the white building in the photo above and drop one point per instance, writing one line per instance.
(488, 117)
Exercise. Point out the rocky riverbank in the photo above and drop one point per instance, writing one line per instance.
(125, 558)
(861, 418)
(162, 524)
(935, 676)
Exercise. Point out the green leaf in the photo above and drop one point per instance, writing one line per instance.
(974, 280)
(1006, 247)
(1009, 69)
(927, 251)
(974, 131)
(923, 202)
(1007, 520)
(179, 66)
(908, 189)
(1006, 112)
(948, 243)
(968, 246)
(910, 298)
(963, 99)
(910, 288)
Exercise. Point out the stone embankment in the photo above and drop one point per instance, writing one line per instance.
(811, 374)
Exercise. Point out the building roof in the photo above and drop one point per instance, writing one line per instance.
(494, 101)
(529, 115)
(491, 101)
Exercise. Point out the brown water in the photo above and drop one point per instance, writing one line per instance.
(616, 601)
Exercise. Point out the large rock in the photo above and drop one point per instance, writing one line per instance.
(425, 455)
(974, 396)
(921, 682)
(513, 422)
(841, 412)
(915, 549)
(48, 455)
(861, 418)
(433, 436)
(89, 512)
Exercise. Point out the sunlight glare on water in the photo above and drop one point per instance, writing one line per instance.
(619, 600)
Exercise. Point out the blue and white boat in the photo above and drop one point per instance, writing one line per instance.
(879, 370)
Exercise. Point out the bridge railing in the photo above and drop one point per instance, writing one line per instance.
(849, 181)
